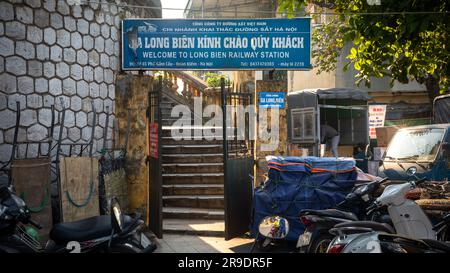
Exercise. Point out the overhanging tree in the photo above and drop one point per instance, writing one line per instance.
(401, 39)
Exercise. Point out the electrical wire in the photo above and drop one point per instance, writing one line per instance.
(268, 12)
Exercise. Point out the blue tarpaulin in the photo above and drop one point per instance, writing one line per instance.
(297, 183)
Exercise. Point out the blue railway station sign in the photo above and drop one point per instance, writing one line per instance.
(210, 44)
(272, 99)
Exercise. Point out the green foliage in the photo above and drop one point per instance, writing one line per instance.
(395, 39)
(213, 79)
(291, 7)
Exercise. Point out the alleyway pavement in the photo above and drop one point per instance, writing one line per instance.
(176, 243)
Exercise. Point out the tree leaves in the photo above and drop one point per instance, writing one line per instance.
(403, 45)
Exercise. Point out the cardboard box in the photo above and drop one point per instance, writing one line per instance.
(385, 134)
(295, 150)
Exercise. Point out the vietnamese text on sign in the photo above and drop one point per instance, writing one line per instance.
(216, 44)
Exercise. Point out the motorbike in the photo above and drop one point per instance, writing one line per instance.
(408, 218)
(316, 237)
(380, 242)
(116, 232)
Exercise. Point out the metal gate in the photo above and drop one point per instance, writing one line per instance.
(238, 159)
(154, 158)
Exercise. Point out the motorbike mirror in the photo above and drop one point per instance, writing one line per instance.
(274, 227)
(116, 216)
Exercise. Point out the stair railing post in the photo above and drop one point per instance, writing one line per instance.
(224, 123)
(224, 143)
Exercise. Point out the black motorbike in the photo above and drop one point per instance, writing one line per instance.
(316, 236)
(106, 233)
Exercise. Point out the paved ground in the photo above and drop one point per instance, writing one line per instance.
(175, 243)
(195, 227)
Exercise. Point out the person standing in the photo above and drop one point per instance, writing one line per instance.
(330, 137)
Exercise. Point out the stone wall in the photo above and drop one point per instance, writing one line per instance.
(54, 49)
(132, 96)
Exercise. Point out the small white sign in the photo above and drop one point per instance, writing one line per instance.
(377, 115)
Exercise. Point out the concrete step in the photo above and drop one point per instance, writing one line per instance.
(194, 227)
(194, 201)
(172, 131)
(168, 121)
(192, 213)
(192, 149)
(174, 168)
(166, 111)
(192, 158)
(185, 117)
(193, 189)
(192, 140)
(166, 105)
(193, 178)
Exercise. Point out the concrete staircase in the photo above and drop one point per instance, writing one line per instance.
(193, 186)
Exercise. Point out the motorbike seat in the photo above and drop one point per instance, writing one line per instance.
(437, 245)
(331, 213)
(382, 227)
(85, 229)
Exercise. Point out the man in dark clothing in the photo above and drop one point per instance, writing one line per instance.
(330, 136)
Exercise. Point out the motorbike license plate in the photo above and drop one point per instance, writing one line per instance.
(304, 239)
(145, 242)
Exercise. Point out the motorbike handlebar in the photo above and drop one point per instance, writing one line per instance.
(420, 181)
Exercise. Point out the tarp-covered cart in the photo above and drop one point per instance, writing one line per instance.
(344, 109)
(296, 183)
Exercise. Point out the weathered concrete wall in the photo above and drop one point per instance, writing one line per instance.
(132, 97)
(261, 164)
(344, 79)
(54, 49)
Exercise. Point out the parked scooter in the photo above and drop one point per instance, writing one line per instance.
(409, 220)
(114, 233)
(316, 236)
(380, 242)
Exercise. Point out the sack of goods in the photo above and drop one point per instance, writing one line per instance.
(297, 183)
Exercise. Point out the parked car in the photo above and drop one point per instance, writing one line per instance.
(418, 152)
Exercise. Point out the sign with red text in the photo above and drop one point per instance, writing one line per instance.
(377, 115)
(153, 141)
